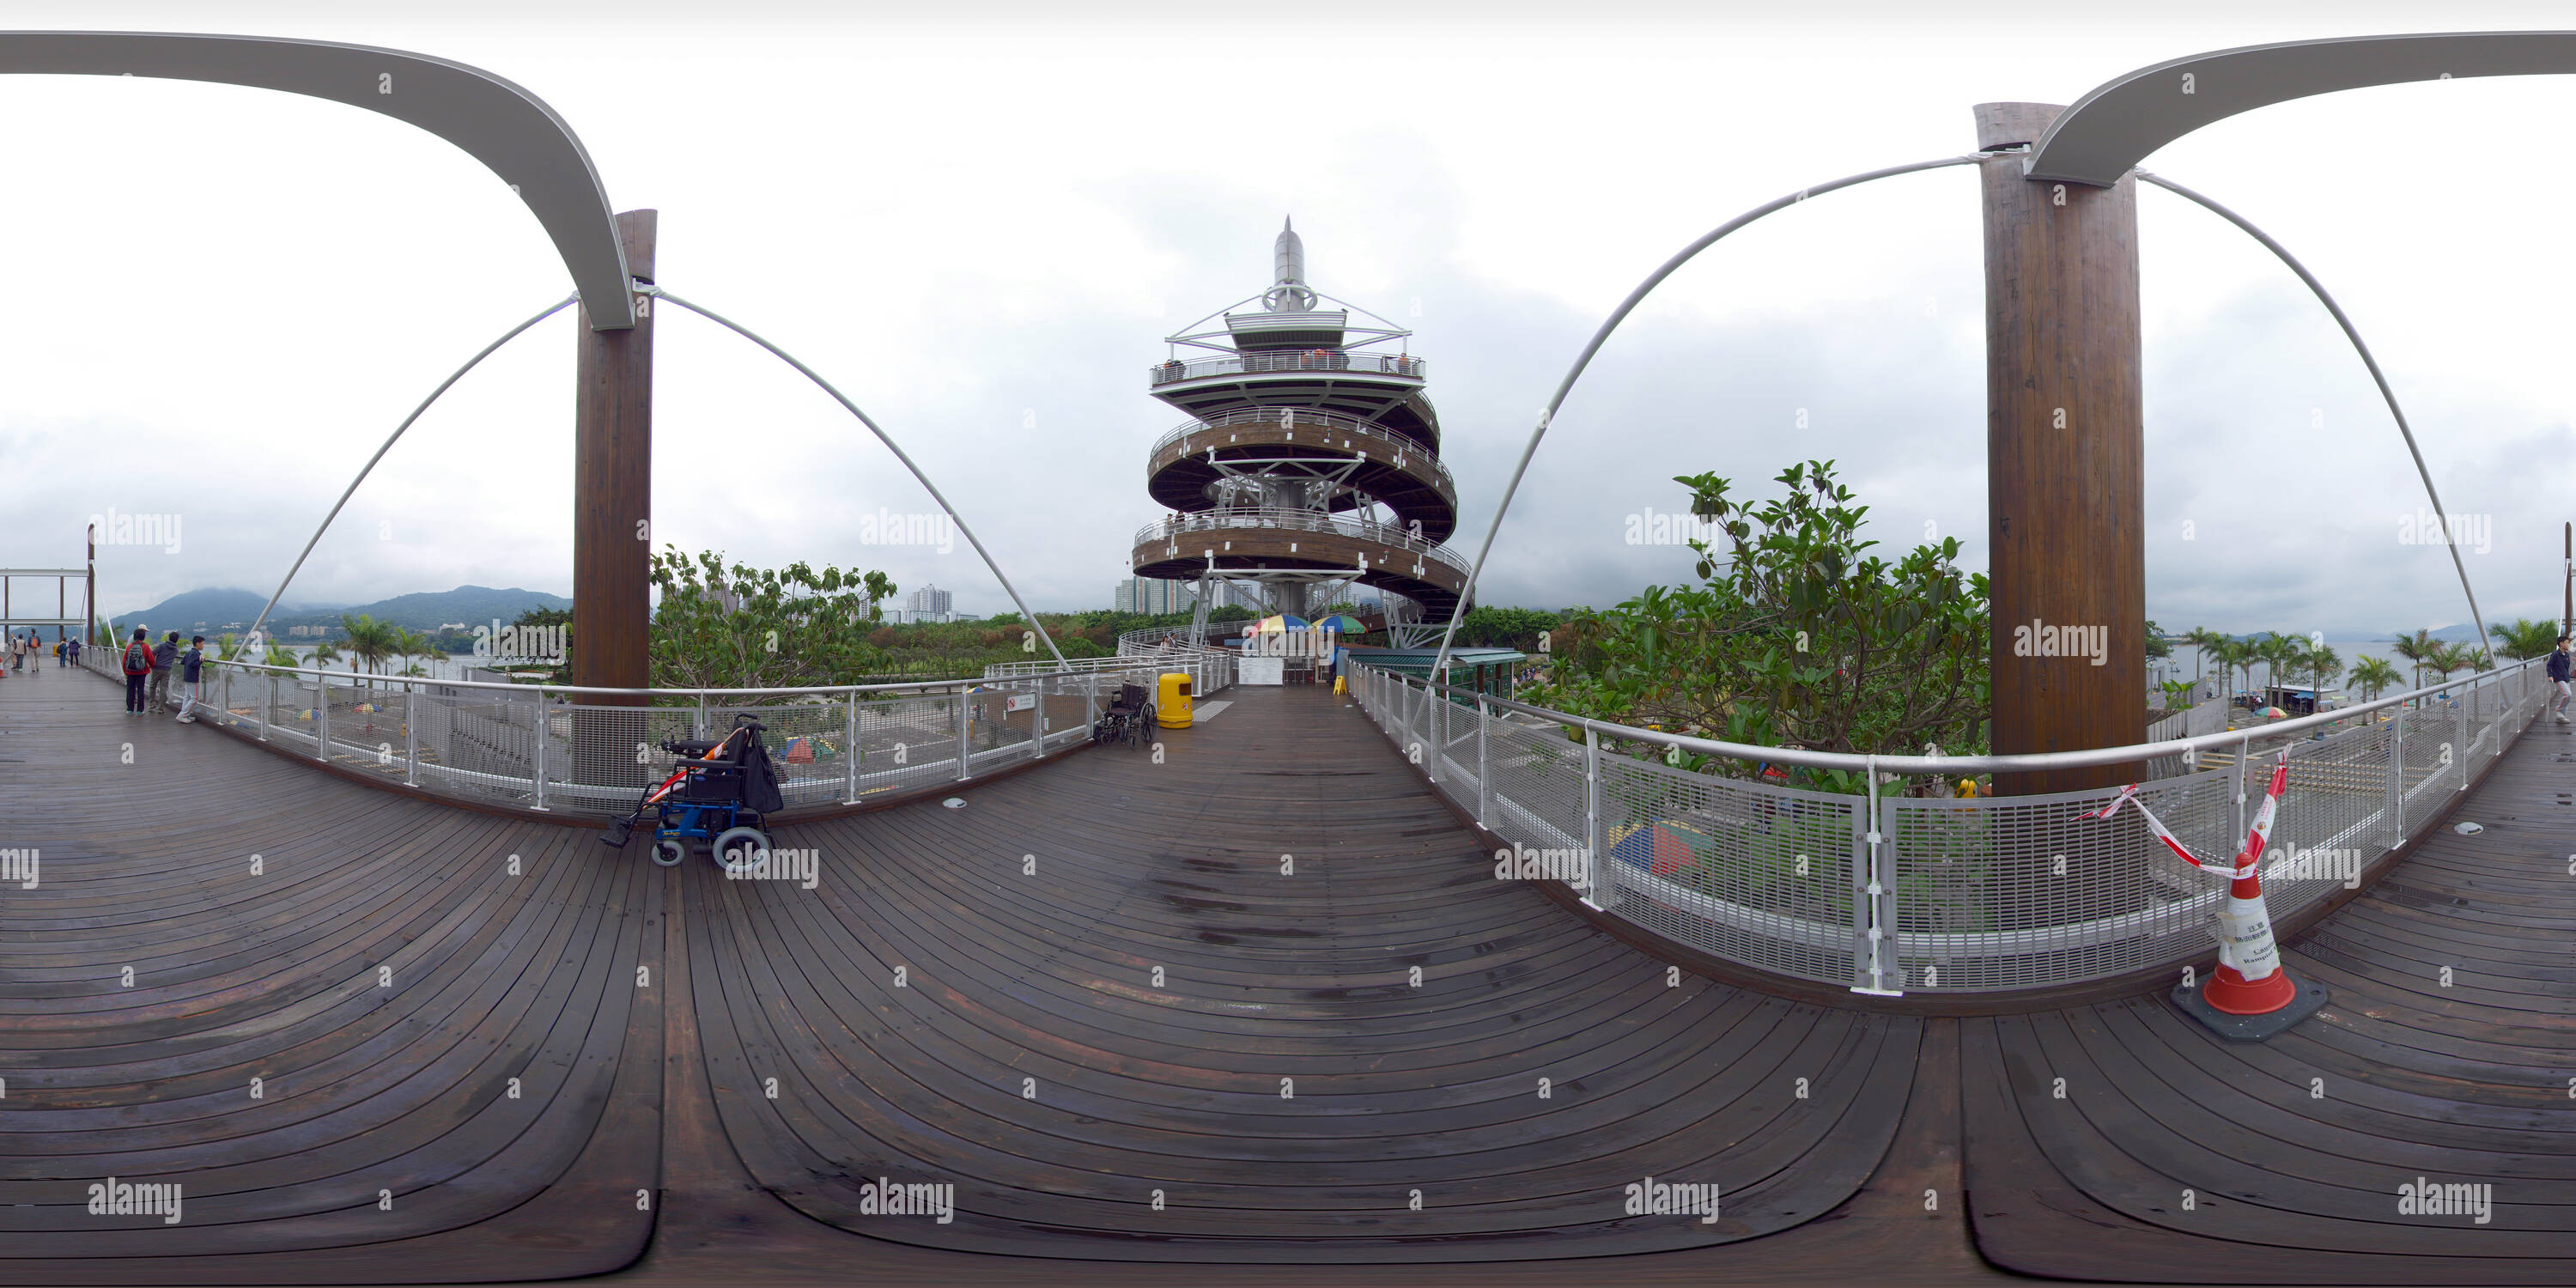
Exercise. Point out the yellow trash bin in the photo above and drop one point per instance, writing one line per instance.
(1172, 700)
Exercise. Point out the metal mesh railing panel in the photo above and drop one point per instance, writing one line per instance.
(1755, 874)
(1971, 894)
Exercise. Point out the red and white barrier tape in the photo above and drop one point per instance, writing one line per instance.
(2248, 862)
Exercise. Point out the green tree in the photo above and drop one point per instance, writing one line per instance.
(755, 628)
(2524, 639)
(370, 641)
(2322, 664)
(1505, 627)
(2417, 649)
(1794, 636)
(2371, 675)
(2204, 644)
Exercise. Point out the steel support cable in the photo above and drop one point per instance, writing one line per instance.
(2376, 375)
(459, 374)
(882, 437)
(1617, 316)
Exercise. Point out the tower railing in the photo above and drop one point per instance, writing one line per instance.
(1345, 433)
(1266, 361)
(1174, 526)
(1938, 893)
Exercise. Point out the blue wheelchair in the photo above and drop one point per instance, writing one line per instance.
(720, 793)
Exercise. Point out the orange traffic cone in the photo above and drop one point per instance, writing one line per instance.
(2249, 979)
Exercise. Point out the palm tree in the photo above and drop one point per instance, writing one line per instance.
(2525, 639)
(2418, 649)
(2204, 643)
(2447, 658)
(2240, 655)
(2372, 674)
(2280, 654)
(326, 651)
(281, 655)
(371, 641)
(414, 645)
(2323, 665)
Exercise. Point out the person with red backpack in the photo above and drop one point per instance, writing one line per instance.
(137, 664)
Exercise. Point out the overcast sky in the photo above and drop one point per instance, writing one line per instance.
(980, 220)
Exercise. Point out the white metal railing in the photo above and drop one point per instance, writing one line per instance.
(557, 747)
(1172, 527)
(1891, 894)
(1266, 360)
(1330, 429)
(1125, 661)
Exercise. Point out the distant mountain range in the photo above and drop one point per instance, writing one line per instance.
(224, 608)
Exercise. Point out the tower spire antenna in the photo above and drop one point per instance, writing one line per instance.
(1288, 254)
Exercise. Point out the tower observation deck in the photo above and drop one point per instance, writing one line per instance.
(1311, 460)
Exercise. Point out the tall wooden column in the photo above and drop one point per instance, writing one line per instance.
(612, 489)
(2065, 461)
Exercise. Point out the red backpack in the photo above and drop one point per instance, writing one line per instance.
(138, 658)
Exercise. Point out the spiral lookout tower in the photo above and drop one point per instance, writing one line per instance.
(1311, 461)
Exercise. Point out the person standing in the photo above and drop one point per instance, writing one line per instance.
(2561, 664)
(190, 686)
(71, 650)
(137, 664)
(165, 656)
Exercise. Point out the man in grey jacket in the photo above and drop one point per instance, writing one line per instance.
(165, 655)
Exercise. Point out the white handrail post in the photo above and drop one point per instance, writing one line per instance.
(1591, 809)
(965, 753)
(267, 699)
(1037, 718)
(537, 766)
(850, 749)
(2244, 751)
(2460, 710)
(321, 716)
(1484, 774)
(411, 735)
(1439, 729)
(2397, 777)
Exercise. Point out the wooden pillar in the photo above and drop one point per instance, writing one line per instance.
(612, 489)
(2065, 461)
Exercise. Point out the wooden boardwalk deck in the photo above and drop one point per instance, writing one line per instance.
(1029, 1059)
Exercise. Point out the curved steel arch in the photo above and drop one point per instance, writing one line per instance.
(1618, 315)
(508, 129)
(2378, 377)
(2117, 124)
(883, 437)
(252, 637)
